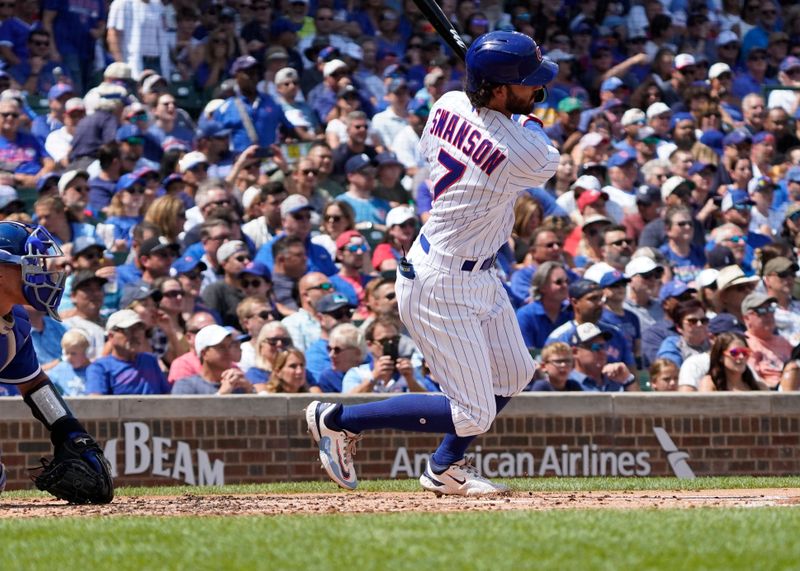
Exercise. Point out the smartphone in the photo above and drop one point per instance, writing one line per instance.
(391, 347)
(263, 153)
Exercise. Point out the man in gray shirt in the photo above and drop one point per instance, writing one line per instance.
(214, 346)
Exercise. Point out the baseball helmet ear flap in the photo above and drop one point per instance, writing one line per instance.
(507, 58)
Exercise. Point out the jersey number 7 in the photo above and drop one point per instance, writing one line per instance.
(455, 170)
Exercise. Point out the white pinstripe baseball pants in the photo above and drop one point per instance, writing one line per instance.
(466, 328)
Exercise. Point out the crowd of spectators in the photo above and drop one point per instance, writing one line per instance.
(233, 183)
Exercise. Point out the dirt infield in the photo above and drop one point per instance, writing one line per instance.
(378, 502)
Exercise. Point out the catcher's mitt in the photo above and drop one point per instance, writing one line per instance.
(79, 473)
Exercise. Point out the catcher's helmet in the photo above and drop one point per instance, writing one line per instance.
(507, 58)
(29, 247)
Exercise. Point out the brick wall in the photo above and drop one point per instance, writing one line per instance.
(173, 440)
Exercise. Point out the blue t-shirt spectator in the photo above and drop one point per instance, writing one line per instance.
(112, 376)
(605, 385)
(372, 210)
(47, 342)
(22, 155)
(73, 24)
(536, 326)
(69, 381)
(265, 114)
(617, 348)
(685, 268)
(330, 381)
(317, 358)
(319, 260)
(100, 194)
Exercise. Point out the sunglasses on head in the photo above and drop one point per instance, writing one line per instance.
(739, 352)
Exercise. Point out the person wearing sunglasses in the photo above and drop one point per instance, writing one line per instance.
(165, 117)
(642, 291)
(303, 181)
(549, 308)
(389, 370)
(684, 257)
(779, 276)
(125, 211)
(188, 364)
(587, 299)
(754, 75)
(728, 369)
(225, 294)
(769, 350)
(302, 325)
(347, 350)
(691, 324)
(736, 209)
(24, 154)
(615, 285)
(215, 347)
(592, 371)
(732, 287)
(352, 253)
(270, 342)
(330, 310)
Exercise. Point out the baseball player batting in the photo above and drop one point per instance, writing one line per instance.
(79, 473)
(449, 294)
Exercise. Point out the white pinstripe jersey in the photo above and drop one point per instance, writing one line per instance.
(480, 161)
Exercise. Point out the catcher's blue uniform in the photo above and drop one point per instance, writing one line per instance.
(18, 362)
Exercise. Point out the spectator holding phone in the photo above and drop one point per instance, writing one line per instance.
(387, 371)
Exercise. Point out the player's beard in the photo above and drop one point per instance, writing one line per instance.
(519, 105)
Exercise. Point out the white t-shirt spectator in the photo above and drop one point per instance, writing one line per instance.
(58, 143)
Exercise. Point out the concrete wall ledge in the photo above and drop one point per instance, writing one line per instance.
(528, 404)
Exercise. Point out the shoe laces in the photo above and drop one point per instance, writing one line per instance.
(350, 441)
(470, 468)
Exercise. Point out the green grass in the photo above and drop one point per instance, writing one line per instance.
(763, 538)
(520, 484)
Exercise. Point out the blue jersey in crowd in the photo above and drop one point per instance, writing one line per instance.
(112, 376)
(265, 114)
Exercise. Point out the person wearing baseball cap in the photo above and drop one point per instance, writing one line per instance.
(587, 299)
(779, 275)
(623, 170)
(592, 369)
(352, 250)
(732, 287)
(569, 116)
(402, 226)
(225, 294)
(361, 173)
(596, 201)
(648, 206)
(265, 115)
(87, 297)
(788, 75)
(130, 368)
(642, 291)
(73, 187)
(658, 117)
(214, 346)
(669, 295)
(772, 350)
(615, 285)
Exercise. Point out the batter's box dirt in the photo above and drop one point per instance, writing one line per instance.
(380, 502)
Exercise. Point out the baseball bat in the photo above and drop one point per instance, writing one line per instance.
(431, 10)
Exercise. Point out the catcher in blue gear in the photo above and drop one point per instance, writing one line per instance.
(78, 472)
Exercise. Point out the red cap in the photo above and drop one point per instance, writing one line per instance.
(588, 197)
(346, 237)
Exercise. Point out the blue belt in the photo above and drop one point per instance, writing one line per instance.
(468, 265)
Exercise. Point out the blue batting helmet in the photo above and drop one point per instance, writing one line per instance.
(29, 247)
(507, 58)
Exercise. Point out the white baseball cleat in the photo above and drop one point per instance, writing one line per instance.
(460, 479)
(336, 447)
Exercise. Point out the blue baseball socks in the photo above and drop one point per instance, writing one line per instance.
(416, 413)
